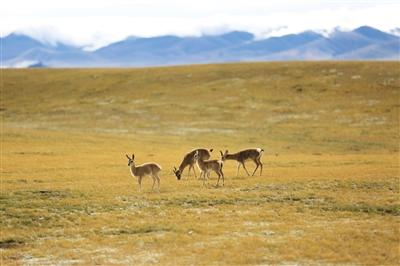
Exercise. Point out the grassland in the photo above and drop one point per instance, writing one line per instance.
(329, 192)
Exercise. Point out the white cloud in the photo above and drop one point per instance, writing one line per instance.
(96, 23)
(21, 64)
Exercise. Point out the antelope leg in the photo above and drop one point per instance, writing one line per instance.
(255, 168)
(245, 169)
(237, 174)
(158, 183)
(194, 172)
(190, 167)
(140, 183)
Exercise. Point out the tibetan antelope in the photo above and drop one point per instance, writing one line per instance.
(242, 156)
(140, 171)
(206, 166)
(188, 160)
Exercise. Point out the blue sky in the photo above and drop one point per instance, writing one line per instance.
(95, 23)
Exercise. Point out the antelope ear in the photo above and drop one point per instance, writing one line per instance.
(133, 156)
(221, 153)
(226, 152)
(174, 168)
(127, 156)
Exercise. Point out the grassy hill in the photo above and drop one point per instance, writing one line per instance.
(329, 192)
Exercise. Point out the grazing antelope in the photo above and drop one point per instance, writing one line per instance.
(151, 169)
(188, 160)
(206, 166)
(242, 156)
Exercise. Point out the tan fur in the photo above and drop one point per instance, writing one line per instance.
(206, 166)
(188, 160)
(146, 169)
(244, 155)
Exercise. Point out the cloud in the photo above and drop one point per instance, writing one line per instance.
(96, 23)
(21, 64)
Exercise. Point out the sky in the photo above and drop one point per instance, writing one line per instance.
(96, 23)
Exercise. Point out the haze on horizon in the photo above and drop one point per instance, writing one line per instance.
(93, 24)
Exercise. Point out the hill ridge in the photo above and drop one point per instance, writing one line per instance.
(362, 43)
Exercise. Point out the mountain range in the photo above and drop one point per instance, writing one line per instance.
(363, 43)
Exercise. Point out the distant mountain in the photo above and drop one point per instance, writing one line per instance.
(37, 65)
(171, 49)
(383, 51)
(363, 43)
(23, 51)
(375, 35)
(13, 45)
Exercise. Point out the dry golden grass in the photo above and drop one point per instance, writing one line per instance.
(329, 192)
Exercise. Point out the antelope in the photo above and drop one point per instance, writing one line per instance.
(206, 166)
(151, 169)
(188, 160)
(244, 155)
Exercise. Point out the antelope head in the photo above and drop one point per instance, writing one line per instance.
(223, 155)
(130, 161)
(177, 173)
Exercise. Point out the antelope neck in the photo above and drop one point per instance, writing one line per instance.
(183, 165)
(133, 169)
(231, 157)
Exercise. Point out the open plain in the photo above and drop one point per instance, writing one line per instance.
(329, 193)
